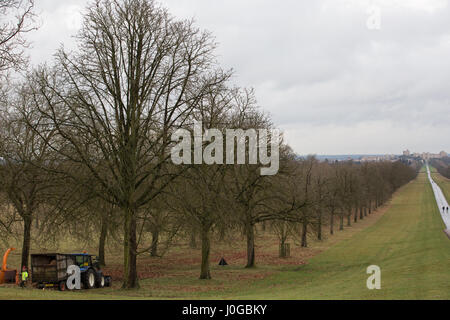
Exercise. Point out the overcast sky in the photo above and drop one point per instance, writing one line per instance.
(334, 77)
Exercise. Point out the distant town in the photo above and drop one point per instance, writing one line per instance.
(425, 155)
(407, 155)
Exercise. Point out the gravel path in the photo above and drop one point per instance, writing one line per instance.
(440, 200)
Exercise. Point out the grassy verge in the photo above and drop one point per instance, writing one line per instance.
(407, 243)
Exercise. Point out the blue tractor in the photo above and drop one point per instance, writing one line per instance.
(91, 272)
(50, 270)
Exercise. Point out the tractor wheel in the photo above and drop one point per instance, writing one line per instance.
(89, 279)
(101, 282)
(62, 286)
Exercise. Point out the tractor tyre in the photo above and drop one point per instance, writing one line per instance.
(62, 286)
(89, 279)
(101, 282)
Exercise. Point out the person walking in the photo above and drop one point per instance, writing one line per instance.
(24, 277)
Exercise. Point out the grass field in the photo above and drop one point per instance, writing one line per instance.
(407, 242)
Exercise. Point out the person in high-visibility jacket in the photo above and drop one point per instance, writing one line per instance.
(24, 277)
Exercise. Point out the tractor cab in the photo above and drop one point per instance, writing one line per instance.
(86, 261)
(83, 260)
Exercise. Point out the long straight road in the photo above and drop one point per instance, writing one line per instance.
(440, 200)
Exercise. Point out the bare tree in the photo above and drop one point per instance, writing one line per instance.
(200, 197)
(320, 180)
(249, 190)
(23, 152)
(114, 103)
(283, 229)
(304, 195)
(161, 223)
(17, 18)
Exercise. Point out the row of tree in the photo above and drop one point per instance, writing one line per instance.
(442, 166)
(85, 147)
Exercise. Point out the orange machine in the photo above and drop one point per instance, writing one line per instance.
(7, 276)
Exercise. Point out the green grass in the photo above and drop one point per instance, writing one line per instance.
(407, 243)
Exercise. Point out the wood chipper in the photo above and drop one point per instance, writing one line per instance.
(7, 276)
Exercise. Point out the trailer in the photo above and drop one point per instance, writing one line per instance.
(50, 270)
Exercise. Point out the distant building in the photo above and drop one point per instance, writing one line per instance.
(425, 155)
(386, 157)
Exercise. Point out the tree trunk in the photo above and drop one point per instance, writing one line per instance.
(130, 280)
(319, 227)
(132, 273)
(102, 242)
(205, 273)
(193, 241)
(27, 221)
(349, 219)
(154, 246)
(356, 215)
(361, 213)
(332, 223)
(283, 253)
(341, 222)
(305, 235)
(250, 234)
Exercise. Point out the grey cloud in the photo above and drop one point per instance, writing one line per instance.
(333, 85)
